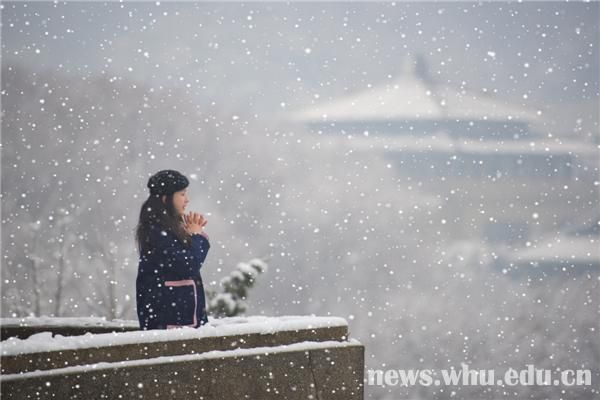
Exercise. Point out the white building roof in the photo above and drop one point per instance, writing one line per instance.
(410, 97)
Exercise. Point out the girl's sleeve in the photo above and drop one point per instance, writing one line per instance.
(180, 260)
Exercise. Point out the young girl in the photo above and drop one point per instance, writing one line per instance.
(172, 248)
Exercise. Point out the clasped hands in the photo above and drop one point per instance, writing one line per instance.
(194, 222)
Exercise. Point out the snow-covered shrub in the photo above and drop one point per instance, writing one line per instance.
(232, 300)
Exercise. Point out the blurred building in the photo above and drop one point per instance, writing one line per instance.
(572, 250)
(501, 177)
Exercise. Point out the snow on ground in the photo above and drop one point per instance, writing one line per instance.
(44, 341)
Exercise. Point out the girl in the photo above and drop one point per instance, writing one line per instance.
(172, 248)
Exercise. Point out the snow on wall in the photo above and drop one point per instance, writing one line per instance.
(69, 322)
(44, 341)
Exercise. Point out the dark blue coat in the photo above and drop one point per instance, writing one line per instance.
(169, 288)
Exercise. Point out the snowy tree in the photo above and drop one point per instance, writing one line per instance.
(231, 301)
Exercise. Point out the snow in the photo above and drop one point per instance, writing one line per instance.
(44, 341)
(302, 346)
(227, 299)
(246, 268)
(393, 233)
(69, 322)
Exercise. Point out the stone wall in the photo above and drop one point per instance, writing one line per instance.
(253, 358)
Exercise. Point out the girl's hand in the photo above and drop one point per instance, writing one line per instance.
(194, 222)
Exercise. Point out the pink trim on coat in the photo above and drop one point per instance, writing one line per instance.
(185, 282)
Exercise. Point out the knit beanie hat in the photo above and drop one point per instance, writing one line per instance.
(166, 182)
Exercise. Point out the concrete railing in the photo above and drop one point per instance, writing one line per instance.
(250, 358)
(22, 328)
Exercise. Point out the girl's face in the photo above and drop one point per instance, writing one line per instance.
(180, 201)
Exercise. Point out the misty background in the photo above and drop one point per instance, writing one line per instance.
(427, 268)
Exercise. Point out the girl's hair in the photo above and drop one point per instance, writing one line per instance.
(154, 211)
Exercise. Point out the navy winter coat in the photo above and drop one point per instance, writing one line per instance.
(169, 289)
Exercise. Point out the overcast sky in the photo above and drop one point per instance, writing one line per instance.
(269, 56)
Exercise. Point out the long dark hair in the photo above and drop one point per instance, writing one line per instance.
(154, 211)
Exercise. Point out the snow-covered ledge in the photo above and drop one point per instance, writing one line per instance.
(238, 357)
(24, 327)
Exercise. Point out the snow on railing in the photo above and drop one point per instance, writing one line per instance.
(44, 341)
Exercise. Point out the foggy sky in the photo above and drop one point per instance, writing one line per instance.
(273, 57)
